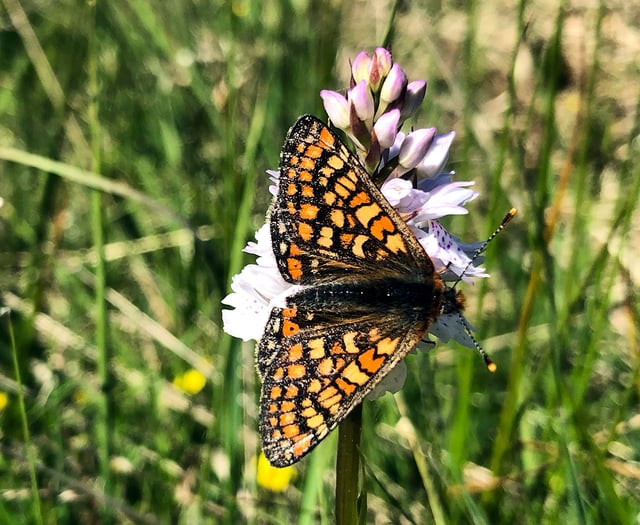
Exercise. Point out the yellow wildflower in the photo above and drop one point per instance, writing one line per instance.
(4, 400)
(273, 478)
(191, 382)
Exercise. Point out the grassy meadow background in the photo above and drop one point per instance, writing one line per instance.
(134, 139)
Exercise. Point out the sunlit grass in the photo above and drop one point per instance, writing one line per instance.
(193, 101)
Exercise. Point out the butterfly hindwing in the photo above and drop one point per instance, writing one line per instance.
(328, 353)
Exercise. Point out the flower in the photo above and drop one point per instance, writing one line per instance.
(191, 382)
(371, 114)
(392, 89)
(378, 86)
(386, 128)
(414, 148)
(337, 107)
(273, 478)
(4, 400)
(413, 97)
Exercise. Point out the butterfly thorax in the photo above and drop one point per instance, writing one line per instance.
(453, 301)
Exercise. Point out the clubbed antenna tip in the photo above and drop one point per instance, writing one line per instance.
(491, 366)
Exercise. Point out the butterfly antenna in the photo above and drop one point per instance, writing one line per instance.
(506, 220)
(489, 363)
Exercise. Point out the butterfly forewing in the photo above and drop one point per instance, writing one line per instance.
(329, 221)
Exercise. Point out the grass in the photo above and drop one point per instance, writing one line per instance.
(133, 144)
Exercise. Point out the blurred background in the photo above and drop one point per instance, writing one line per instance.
(134, 139)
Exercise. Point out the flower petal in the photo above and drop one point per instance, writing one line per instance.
(413, 97)
(337, 108)
(362, 101)
(386, 128)
(360, 67)
(393, 85)
(415, 146)
(436, 157)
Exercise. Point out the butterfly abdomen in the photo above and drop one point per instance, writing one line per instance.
(394, 297)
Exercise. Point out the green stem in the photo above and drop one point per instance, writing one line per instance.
(348, 482)
(29, 446)
(102, 424)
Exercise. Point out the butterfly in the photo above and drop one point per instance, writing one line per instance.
(368, 293)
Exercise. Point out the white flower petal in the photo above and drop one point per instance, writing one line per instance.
(435, 159)
(450, 326)
(402, 196)
(252, 290)
(447, 252)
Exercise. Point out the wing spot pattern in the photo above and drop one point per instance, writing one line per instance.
(290, 431)
(276, 392)
(308, 211)
(326, 138)
(325, 240)
(314, 386)
(289, 328)
(327, 393)
(380, 226)
(305, 230)
(360, 199)
(316, 348)
(348, 183)
(341, 190)
(296, 371)
(288, 406)
(337, 218)
(369, 362)
(286, 418)
(329, 198)
(358, 245)
(302, 447)
(292, 392)
(325, 367)
(295, 352)
(349, 340)
(396, 243)
(387, 346)
(365, 214)
(353, 373)
(294, 250)
(347, 388)
(313, 151)
(335, 162)
(307, 164)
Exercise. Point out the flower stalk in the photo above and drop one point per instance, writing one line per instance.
(350, 497)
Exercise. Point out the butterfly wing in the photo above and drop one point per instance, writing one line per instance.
(329, 350)
(329, 221)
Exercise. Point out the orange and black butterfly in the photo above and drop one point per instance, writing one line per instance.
(370, 293)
